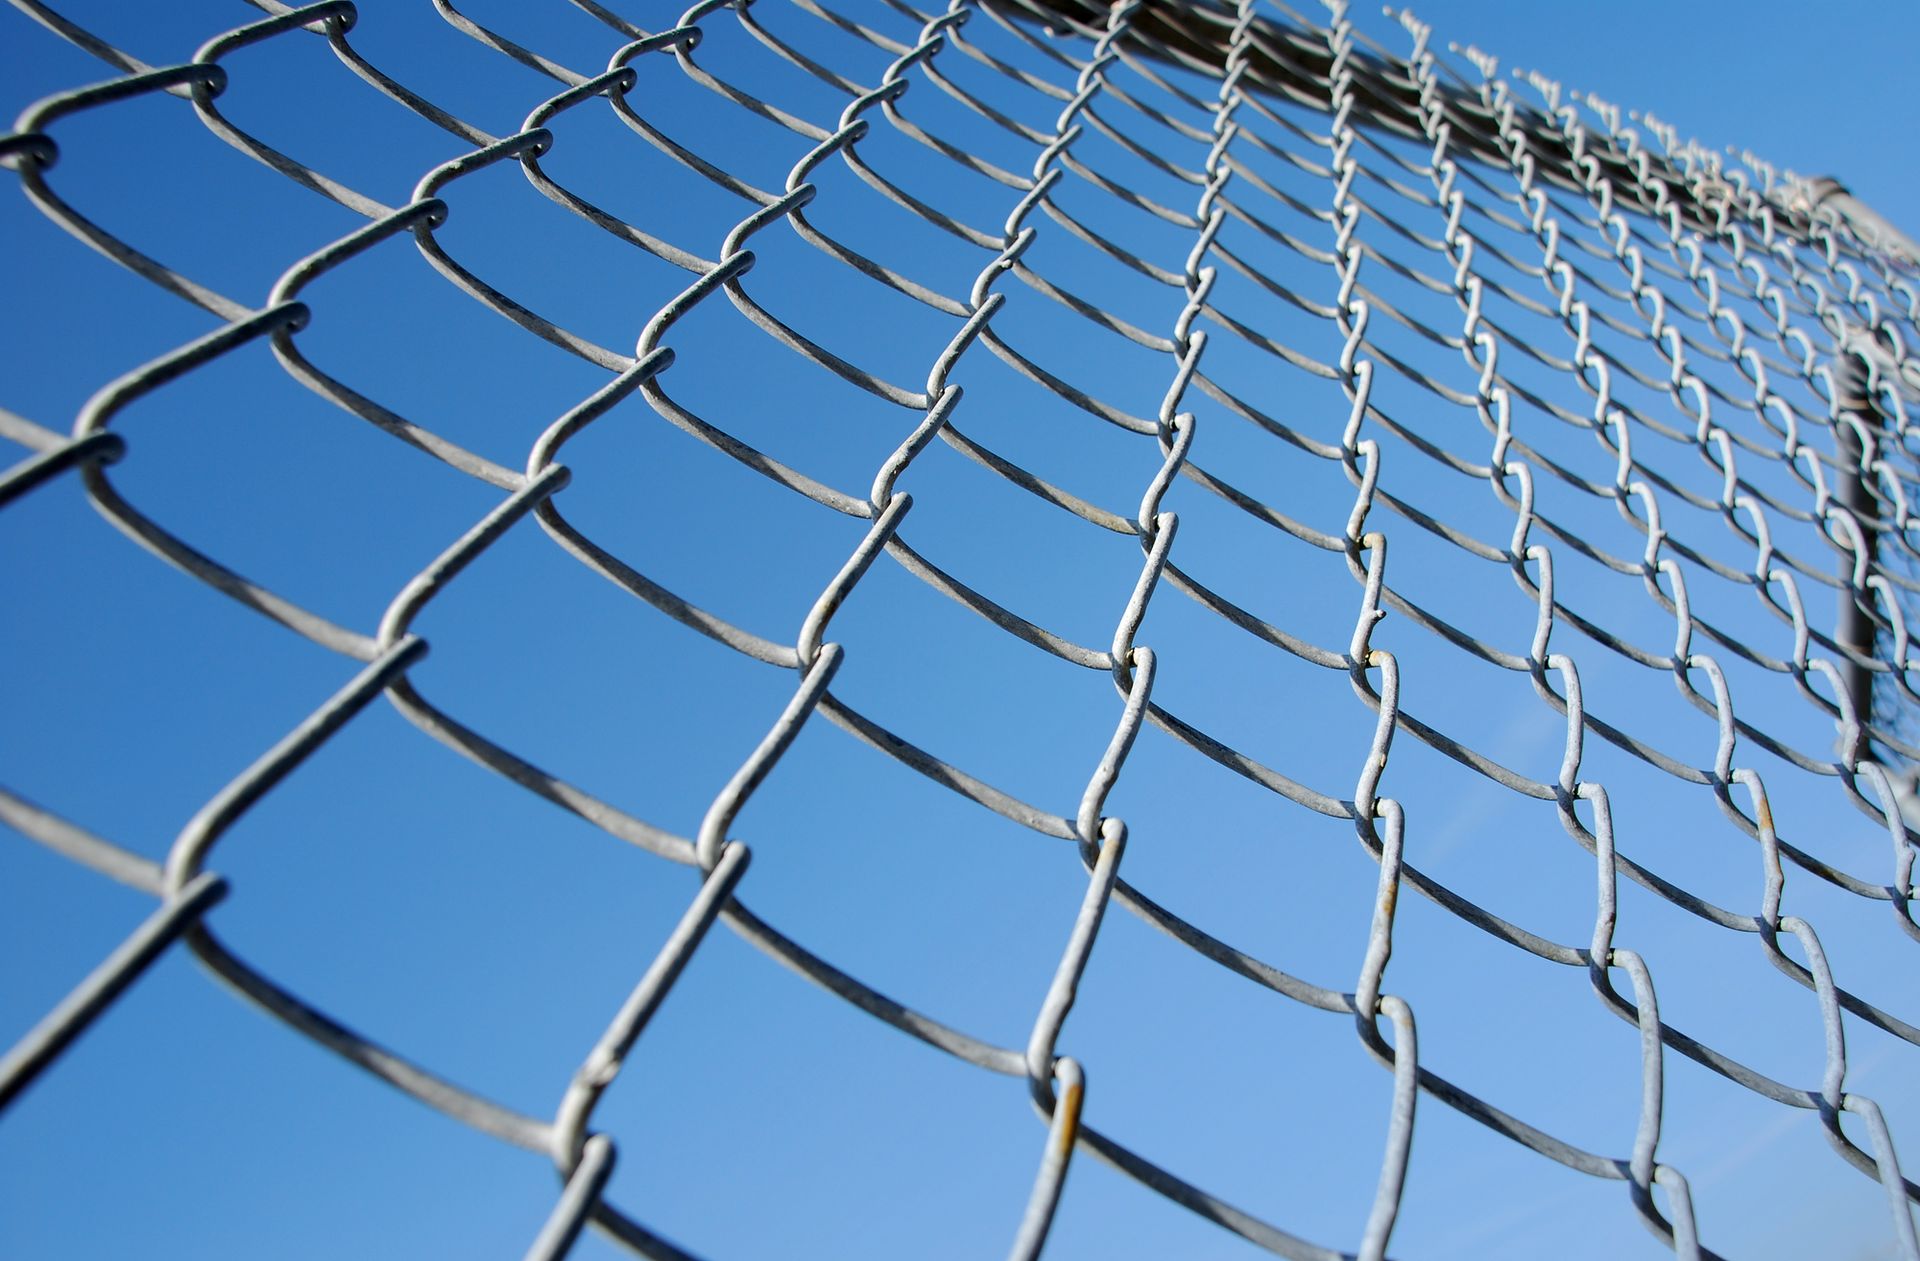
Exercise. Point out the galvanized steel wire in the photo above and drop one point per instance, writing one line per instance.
(1692, 278)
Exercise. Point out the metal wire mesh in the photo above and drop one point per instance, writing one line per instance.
(1581, 336)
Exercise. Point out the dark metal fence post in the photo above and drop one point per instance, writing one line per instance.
(1854, 630)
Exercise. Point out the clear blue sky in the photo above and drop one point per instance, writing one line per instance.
(489, 936)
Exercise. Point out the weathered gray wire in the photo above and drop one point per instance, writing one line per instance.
(1763, 297)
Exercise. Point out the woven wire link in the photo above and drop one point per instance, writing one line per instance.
(1718, 327)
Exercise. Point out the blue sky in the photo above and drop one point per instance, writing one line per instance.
(489, 936)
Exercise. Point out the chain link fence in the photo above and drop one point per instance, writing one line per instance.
(1635, 411)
